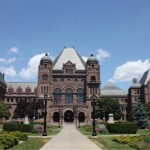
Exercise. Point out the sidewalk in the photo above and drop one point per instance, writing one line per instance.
(69, 138)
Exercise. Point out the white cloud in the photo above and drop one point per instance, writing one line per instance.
(13, 50)
(31, 70)
(9, 71)
(7, 60)
(130, 70)
(102, 54)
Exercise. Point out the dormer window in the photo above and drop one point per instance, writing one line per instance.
(19, 90)
(69, 68)
(28, 90)
(10, 90)
(69, 71)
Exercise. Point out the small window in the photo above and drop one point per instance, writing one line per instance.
(75, 80)
(93, 78)
(54, 80)
(69, 71)
(61, 80)
(92, 66)
(45, 65)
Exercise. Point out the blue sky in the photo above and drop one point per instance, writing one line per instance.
(117, 32)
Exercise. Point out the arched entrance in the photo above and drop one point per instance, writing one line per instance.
(68, 116)
(56, 117)
(81, 117)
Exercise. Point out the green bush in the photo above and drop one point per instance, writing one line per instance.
(87, 128)
(1, 146)
(137, 142)
(17, 127)
(8, 141)
(146, 137)
(21, 136)
(25, 127)
(122, 128)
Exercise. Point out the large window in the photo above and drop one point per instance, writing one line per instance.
(69, 96)
(57, 95)
(80, 95)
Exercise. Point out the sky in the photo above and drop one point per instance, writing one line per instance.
(117, 32)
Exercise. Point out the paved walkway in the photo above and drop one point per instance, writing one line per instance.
(69, 138)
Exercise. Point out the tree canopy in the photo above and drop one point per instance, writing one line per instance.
(106, 106)
(4, 110)
(140, 115)
(29, 108)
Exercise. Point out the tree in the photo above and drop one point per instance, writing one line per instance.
(4, 110)
(106, 106)
(139, 115)
(148, 109)
(29, 108)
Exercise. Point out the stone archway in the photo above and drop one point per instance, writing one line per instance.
(69, 116)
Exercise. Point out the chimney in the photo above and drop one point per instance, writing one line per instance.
(134, 80)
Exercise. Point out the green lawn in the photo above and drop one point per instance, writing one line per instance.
(50, 131)
(31, 144)
(106, 143)
(35, 143)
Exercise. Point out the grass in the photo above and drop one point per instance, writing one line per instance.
(106, 143)
(35, 143)
(49, 131)
(31, 144)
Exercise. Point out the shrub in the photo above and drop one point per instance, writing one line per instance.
(37, 128)
(101, 128)
(8, 141)
(21, 136)
(136, 142)
(1, 146)
(17, 127)
(25, 127)
(39, 121)
(146, 137)
(124, 127)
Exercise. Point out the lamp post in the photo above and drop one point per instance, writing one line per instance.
(93, 85)
(75, 110)
(45, 114)
(79, 118)
(60, 116)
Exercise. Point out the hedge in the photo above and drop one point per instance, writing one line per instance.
(8, 140)
(21, 136)
(124, 127)
(17, 127)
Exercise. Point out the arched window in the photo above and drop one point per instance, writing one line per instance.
(80, 95)
(69, 96)
(93, 78)
(57, 95)
(56, 117)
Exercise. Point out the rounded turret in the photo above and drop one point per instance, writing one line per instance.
(92, 59)
(46, 59)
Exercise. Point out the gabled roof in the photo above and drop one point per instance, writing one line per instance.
(145, 77)
(111, 89)
(69, 54)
